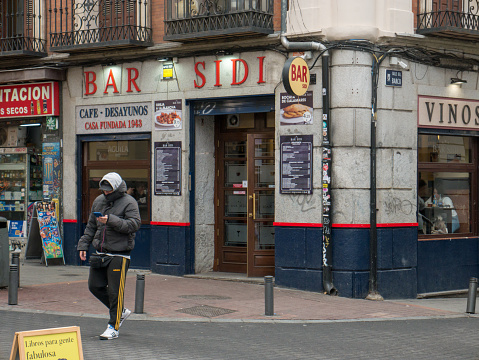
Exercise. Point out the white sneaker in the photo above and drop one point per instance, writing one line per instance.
(109, 334)
(124, 315)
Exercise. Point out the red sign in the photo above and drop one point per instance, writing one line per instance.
(28, 100)
(201, 66)
(91, 86)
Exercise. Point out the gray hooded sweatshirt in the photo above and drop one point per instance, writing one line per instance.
(117, 236)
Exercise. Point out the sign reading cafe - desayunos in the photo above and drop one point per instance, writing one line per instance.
(296, 76)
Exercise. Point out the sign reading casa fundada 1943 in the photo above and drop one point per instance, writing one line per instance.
(440, 112)
(118, 118)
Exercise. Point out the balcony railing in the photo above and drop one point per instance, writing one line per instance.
(21, 28)
(85, 24)
(449, 18)
(188, 20)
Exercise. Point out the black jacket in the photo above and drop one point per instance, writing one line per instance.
(117, 236)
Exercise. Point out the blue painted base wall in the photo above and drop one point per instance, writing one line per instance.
(299, 265)
(447, 264)
(163, 249)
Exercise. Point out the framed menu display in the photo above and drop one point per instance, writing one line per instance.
(296, 171)
(168, 168)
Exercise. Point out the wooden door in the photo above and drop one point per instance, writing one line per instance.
(231, 203)
(244, 197)
(260, 204)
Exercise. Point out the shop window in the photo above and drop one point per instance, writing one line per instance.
(130, 159)
(446, 172)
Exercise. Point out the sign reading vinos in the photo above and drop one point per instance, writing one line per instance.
(296, 76)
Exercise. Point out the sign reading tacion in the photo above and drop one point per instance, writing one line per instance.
(27, 100)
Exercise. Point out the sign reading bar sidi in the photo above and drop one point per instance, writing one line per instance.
(113, 118)
(439, 112)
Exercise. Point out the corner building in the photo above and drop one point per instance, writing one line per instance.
(229, 169)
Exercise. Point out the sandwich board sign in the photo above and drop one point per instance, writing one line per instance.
(44, 233)
(55, 344)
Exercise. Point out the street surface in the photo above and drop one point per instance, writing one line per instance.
(436, 338)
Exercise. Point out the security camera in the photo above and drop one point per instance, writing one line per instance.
(402, 64)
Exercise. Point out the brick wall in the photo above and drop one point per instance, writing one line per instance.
(157, 17)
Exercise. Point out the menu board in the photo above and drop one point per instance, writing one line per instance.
(296, 171)
(168, 168)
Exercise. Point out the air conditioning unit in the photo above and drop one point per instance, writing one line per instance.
(12, 136)
(232, 120)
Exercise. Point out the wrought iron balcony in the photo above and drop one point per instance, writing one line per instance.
(188, 20)
(77, 25)
(448, 18)
(21, 29)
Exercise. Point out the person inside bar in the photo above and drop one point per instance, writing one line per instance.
(443, 202)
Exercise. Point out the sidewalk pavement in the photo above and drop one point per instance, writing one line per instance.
(63, 289)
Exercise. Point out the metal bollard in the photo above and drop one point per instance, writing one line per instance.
(13, 285)
(140, 293)
(268, 296)
(471, 296)
(16, 261)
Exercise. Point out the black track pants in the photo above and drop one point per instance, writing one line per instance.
(107, 284)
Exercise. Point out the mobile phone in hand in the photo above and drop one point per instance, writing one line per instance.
(97, 214)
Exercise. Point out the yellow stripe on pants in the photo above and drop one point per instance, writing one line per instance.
(119, 309)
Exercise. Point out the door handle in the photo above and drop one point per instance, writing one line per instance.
(251, 198)
(254, 206)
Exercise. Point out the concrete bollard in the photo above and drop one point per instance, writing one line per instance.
(16, 261)
(471, 296)
(13, 285)
(268, 296)
(139, 293)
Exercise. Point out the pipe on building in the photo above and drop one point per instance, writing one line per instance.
(373, 293)
(326, 158)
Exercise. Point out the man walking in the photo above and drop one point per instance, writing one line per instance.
(111, 228)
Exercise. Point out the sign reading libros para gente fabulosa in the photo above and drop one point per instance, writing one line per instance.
(48, 344)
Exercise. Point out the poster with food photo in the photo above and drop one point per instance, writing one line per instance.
(167, 115)
(296, 110)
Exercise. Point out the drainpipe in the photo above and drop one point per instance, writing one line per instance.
(284, 11)
(373, 293)
(326, 159)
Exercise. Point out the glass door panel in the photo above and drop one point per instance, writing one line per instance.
(236, 233)
(263, 204)
(264, 235)
(235, 204)
(235, 173)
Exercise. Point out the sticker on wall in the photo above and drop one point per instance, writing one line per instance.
(296, 110)
(51, 170)
(168, 115)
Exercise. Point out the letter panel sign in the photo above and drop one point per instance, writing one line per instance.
(114, 118)
(29, 100)
(449, 113)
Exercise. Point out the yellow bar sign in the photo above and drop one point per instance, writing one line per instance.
(56, 343)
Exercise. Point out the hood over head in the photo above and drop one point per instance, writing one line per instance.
(110, 181)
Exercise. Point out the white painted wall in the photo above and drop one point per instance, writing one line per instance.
(350, 19)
